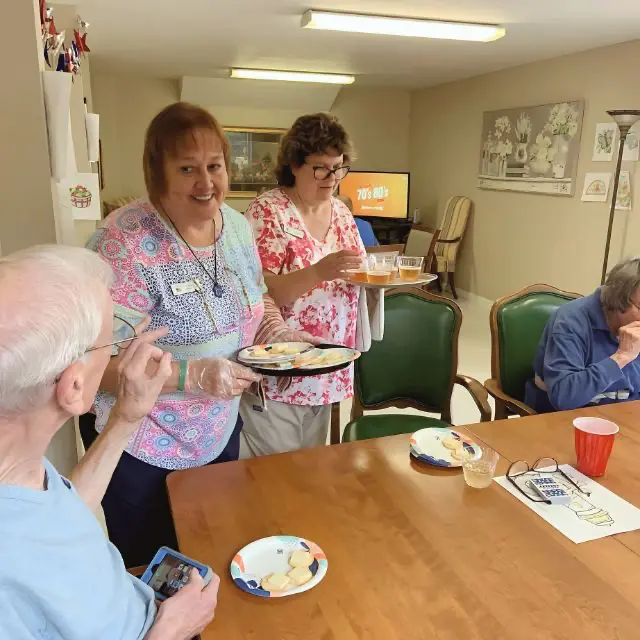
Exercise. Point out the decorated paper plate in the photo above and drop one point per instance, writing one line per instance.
(273, 353)
(259, 560)
(442, 447)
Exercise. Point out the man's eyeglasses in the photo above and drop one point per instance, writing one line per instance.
(519, 472)
(126, 333)
(322, 173)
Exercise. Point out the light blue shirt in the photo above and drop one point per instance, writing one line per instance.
(574, 361)
(60, 578)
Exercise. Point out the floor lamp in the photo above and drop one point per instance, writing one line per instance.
(625, 119)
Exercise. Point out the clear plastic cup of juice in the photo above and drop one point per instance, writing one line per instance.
(409, 268)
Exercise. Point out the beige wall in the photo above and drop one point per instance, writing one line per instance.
(378, 121)
(26, 215)
(126, 105)
(518, 239)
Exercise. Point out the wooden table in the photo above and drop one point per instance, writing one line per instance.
(413, 552)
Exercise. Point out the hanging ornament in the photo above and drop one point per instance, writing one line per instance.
(53, 48)
(81, 42)
(43, 11)
(80, 36)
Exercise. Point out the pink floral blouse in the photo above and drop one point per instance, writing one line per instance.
(329, 311)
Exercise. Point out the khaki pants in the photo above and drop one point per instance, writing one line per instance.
(284, 427)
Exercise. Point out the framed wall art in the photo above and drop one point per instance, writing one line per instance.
(254, 155)
(531, 149)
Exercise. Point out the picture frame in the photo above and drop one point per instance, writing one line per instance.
(254, 157)
(531, 149)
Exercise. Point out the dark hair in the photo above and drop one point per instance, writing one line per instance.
(310, 134)
(169, 131)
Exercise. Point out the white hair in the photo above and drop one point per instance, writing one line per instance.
(51, 311)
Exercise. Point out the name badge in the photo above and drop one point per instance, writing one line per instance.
(296, 233)
(181, 288)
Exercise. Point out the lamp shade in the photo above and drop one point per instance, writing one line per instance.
(625, 117)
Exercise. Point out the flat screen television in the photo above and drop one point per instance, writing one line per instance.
(377, 194)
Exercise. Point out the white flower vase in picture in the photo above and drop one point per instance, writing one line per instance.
(494, 168)
(561, 152)
(503, 167)
(521, 153)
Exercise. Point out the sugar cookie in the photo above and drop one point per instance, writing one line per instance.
(451, 443)
(301, 559)
(300, 576)
(456, 454)
(275, 582)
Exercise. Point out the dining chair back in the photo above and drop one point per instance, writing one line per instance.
(517, 323)
(415, 365)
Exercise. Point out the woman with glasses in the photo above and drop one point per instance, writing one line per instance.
(187, 260)
(307, 240)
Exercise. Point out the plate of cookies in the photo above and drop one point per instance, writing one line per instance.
(278, 566)
(442, 447)
(273, 353)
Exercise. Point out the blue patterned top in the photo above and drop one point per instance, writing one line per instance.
(183, 430)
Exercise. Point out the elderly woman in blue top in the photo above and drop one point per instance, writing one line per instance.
(589, 350)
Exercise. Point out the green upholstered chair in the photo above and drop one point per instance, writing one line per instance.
(415, 365)
(517, 322)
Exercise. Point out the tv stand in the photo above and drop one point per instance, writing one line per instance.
(390, 231)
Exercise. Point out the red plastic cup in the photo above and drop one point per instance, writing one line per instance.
(594, 442)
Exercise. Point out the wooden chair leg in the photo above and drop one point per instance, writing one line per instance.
(439, 282)
(335, 423)
(501, 411)
(452, 285)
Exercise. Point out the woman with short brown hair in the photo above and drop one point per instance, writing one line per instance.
(307, 240)
(187, 261)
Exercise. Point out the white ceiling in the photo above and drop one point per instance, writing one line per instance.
(174, 38)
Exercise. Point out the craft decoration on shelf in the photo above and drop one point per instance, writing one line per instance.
(56, 54)
(531, 149)
(596, 187)
(603, 143)
(81, 195)
(623, 199)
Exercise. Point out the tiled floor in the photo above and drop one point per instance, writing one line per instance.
(474, 359)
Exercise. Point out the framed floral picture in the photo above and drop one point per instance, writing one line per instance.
(254, 155)
(531, 149)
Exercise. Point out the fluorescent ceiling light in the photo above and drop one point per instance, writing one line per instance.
(291, 76)
(413, 27)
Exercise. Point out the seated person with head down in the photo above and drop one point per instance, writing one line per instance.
(588, 354)
(60, 577)
(364, 227)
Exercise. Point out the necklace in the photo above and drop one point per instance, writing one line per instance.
(218, 291)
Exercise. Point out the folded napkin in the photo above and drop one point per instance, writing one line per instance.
(370, 320)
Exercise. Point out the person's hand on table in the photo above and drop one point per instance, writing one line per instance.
(137, 389)
(219, 378)
(629, 344)
(188, 612)
(334, 265)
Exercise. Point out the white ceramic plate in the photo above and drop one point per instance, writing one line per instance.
(271, 555)
(424, 278)
(273, 353)
(427, 446)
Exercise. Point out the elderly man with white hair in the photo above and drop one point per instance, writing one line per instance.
(60, 578)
